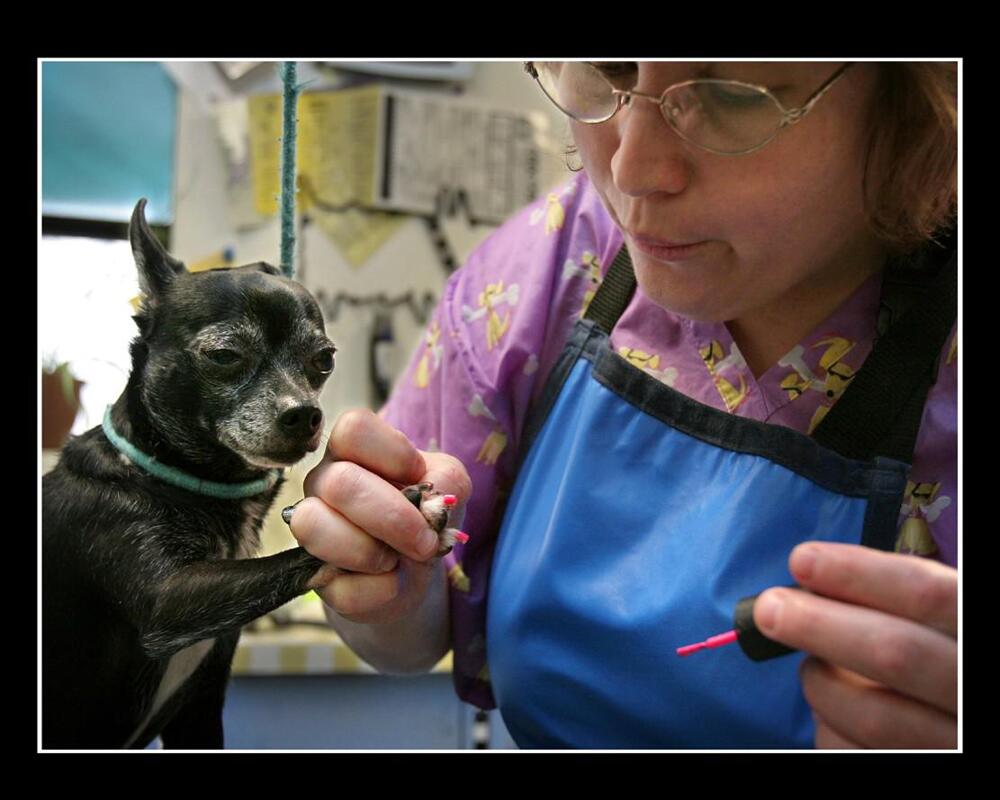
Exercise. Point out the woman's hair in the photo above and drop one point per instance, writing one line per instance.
(910, 178)
(910, 181)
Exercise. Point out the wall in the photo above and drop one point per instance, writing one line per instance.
(408, 261)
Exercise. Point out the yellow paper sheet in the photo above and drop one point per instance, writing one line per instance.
(335, 160)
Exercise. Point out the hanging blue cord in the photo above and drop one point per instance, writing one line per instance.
(291, 96)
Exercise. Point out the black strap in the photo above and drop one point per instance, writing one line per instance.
(880, 413)
(614, 293)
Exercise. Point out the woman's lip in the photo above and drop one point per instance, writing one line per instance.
(667, 251)
(652, 241)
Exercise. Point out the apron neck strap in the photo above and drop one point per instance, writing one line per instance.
(614, 293)
(880, 413)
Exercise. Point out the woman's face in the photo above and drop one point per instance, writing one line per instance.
(772, 230)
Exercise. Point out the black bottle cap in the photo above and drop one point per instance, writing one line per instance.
(754, 643)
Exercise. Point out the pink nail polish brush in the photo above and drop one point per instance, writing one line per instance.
(751, 641)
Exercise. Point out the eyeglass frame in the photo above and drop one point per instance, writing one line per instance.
(790, 116)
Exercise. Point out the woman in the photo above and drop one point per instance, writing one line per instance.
(630, 489)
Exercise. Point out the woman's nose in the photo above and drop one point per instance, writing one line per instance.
(650, 157)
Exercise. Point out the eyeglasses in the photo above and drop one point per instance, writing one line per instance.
(721, 116)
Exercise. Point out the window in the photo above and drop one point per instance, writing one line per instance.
(85, 319)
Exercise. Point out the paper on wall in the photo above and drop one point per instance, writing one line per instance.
(431, 144)
(397, 150)
(335, 154)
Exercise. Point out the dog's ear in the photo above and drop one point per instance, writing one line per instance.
(157, 268)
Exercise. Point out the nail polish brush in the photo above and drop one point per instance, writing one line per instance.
(752, 642)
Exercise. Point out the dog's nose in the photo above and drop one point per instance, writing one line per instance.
(300, 422)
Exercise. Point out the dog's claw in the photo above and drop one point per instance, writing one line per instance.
(286, 513)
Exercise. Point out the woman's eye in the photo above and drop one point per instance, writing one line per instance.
(614, 67)
(734, 95)
(323, 360)
(223, 357)
(619, 73)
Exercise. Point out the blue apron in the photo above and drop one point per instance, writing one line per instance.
(640, 517)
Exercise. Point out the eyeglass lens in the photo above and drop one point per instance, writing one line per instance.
(720, 115)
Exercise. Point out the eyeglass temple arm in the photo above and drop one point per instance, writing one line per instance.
(795, 114)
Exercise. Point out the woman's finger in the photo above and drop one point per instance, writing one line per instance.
(334, 539)
(448, 475)
(357, 597)
(828, 739)
(871, 715)
(374, 506)
(913, 659)
(902, 585)
(365, 439)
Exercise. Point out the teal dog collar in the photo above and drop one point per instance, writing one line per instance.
(224, 491)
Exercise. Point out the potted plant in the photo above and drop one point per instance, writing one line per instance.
(60, 403)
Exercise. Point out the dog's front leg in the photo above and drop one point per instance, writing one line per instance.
(204, 599)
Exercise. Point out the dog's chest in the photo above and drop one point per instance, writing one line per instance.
(248, 540)
(181, 667)
(183, 664)
(234, 533)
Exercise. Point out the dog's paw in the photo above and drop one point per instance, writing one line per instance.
(448, 537)
(436, 507)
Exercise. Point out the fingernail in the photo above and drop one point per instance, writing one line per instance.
(387, 561)
(766, 610)
(427, 542)
(803, 561)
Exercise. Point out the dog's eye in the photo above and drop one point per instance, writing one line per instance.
(223, 357)
(323, 360)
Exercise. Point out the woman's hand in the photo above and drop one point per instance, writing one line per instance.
(355, 517)
(882, 631)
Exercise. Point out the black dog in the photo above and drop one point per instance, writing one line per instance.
(148, 575)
